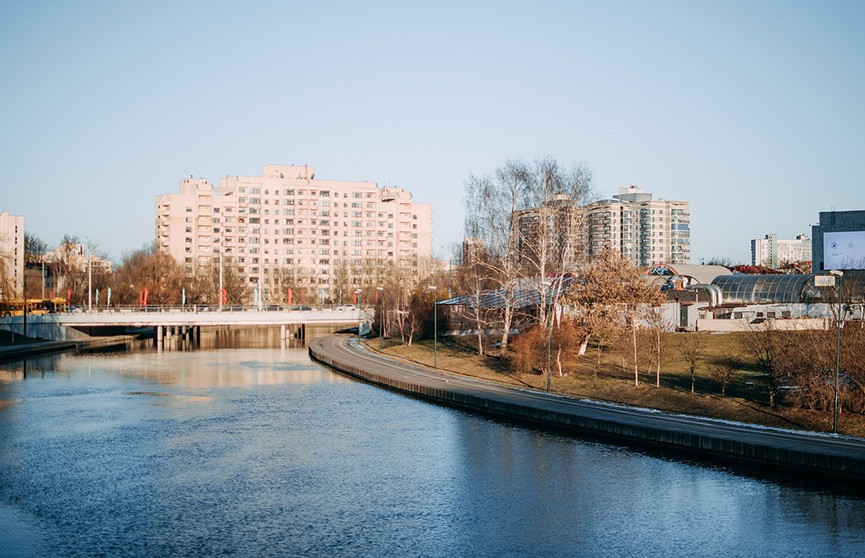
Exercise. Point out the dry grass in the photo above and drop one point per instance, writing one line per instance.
(746, 399)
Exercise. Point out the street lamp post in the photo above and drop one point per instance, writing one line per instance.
(840, 276)
(380, 314)
(435, 326)
(220, 281)
(358, 292)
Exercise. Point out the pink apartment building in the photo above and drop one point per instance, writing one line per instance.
(287, 228)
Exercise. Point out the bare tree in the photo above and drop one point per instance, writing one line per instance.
(34, 248)
(203, 286)
(615, 291)
(416, 313)
(724, 372)
(342, 283)
(469, 278)
(657, 325)
(66, 266)
(766, 345)
(147, 270)
(523, 219)
(853, 360)
(34, 259)
(692, 350)
(722, 261)
(7, 281)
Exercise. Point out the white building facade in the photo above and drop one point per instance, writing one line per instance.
(642, 230)
(772, 252)
(287, 227)
(12, 254)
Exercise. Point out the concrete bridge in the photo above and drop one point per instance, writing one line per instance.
(184, 321)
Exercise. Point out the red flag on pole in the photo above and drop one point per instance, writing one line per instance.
(290, 295)
(146, 292)
(354, 297)
(68, 296)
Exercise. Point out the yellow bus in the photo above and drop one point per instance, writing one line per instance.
(51, 305)
(38, 306)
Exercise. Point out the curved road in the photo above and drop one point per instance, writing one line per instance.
(830, 456)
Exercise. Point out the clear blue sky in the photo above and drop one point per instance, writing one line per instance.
(754, 112)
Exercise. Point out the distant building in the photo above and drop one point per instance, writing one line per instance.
(642, 230)
(473, 250)
(74, 256)
(289, 229)
(839, 241)
(773, 252)
(11, 255)
(561, 220)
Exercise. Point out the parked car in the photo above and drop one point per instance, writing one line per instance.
(346, 308)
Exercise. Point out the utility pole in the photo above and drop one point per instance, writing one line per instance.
(90, 280)
(24, 298)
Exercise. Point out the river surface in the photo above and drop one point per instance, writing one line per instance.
(261, 452)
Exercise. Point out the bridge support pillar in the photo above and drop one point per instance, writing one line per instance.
(159, 334)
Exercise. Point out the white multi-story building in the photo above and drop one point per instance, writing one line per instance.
(288, 228)
(11, 255)
(642, 230)
(75, 256)
(772, 252)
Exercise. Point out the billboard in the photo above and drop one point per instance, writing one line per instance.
(844, 250)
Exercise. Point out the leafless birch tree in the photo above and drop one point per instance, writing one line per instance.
(523, 217)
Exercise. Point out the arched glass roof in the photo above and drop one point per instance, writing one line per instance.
(767, 289)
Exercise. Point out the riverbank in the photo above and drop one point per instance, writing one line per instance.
(30, 348)
(605, 379)
(837, 459)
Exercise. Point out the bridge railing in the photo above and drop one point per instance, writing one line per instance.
(196, 308)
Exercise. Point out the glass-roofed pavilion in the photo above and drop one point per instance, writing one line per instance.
(767, 289)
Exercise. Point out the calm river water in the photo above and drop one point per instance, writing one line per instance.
(260, 452)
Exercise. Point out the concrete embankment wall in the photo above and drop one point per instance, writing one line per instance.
(788, 460)
(32, 350)
(41, 327)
